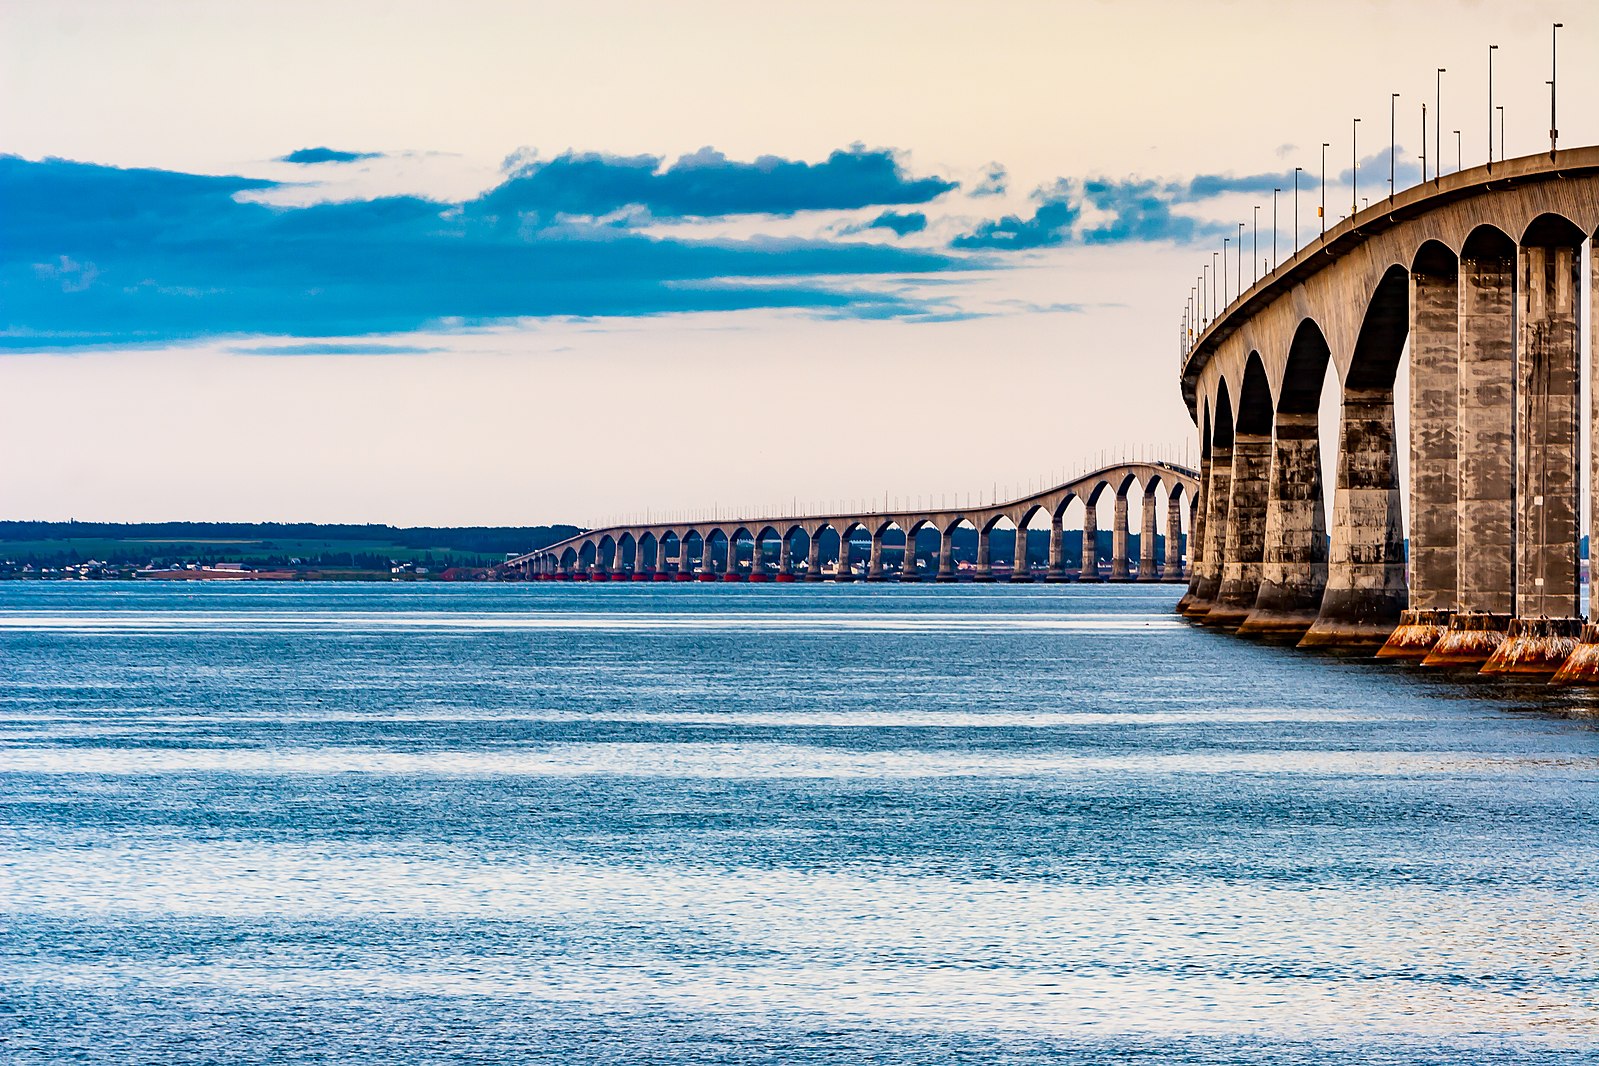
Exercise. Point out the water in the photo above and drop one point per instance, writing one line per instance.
(779, 824)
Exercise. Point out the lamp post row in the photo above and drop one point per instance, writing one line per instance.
(1200, 314)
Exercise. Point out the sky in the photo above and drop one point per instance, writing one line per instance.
(499, 263)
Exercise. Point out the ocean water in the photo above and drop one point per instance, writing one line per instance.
(770, 824)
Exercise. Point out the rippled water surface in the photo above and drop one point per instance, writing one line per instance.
(769, 824)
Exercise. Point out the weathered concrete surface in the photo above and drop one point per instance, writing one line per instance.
(1196, 536)
(1172, 570)
(1582, 665)
(1146, 540)
(1365, 591)
(1486, 506)
(1090, 561)
(1434, 449)
(1218, 496)
(1293, 571)
(1246, 531)
(1535, 646)
(1119, 540)
(1057, 550)
(1420, 629)
(1548, 367)
(1470, 640)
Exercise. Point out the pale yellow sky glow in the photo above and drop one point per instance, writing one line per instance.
(575, 420)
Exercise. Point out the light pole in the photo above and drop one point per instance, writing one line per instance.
(1393, 105)
(1554, 52)
(1254, 248)
(1457, 151)
(1423, 143)
(1240, 259)
(1225, 241)
(1213, 307)
(1438, 126)
(1492, 48)
(1322, 210)
(1501, 110)
(1354, 174)
(1274, 193)
(1296, 208)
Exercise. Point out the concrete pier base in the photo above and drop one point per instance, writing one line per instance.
(1582, 665)
(1535, 647)
(1283, 625)
(1419, 631)
(1470, 640)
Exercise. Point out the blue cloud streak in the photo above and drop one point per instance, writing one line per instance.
(97, 256)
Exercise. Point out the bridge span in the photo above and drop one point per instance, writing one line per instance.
(1479, 276)
(670, 550)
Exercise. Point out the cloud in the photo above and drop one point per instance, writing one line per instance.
(899, 223)
(100, 256)
(334, 348)
(993, 183)
(1049, 226)
(325, 155)
(705, 184)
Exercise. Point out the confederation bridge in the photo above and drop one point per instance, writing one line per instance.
(710, 549)
(1480, 274)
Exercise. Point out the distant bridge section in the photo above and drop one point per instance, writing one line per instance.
(789, 547)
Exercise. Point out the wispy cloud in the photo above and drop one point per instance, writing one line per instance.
(326, 155)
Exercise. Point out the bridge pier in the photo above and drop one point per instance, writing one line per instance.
(874, 564)
(1365, 592)
(1173, 568)
(907, 569)
(1089, 570)
(1147, 538)
(1020, 570)
(1057, 550)
(1582, 666)
(1119, 540)
(946, 554)
(1196, 529)
(813, 558)
(984, 572)
(1218, 495)
(846, 570)
(1293, 568)
(1484, 503)
(1246, 531)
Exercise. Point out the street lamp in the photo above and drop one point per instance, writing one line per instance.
(1322, 210)
(1240, 259)
(1492, 48)
(1225, 241)
(1501, 110)
(1424, 143)
(1554, 130)
(1438, 126)
(1296, 207)
(1274, 193)
(1457, 151)
(1254, 248)
(1354, 175)
(1393, 104)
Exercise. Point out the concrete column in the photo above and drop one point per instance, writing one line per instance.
(845, 572)
(1119, 540)
(1293, 566)
(1213, 519)
(1020, 570)
(907, 570)
(813, 561)
(1174, 539)
(1245, 546)
(1582, 666)
(874, 564)
(946, 554)
(1434, 448)
(1486, 436)
(1090, 565)
(1147, 538)
(1547, 367)
(785, 557)
(757, 568)
(1366, 564)
(1196, 538)
(983, 571)
(1057, 550)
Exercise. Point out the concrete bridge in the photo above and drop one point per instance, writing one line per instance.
(670, 550)
(1481, 274)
